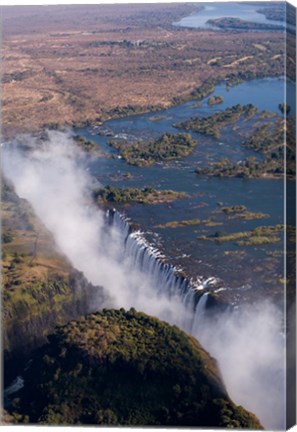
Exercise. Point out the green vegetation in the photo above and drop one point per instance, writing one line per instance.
(234, 79)
(250, 216)
(212, 124)
(210, 222)
(7, 236)
(31, 311)
(86, 145)
(291, 234)
(199, 93)
(239, 24)
(35, 299)
(178, 224)
(233, 212)
(257, 236)
(277, 12)
(17, 76)
(215, 100)
(248, 168)
(234, 209)
(157, 118)
(167, 147)
(147, 195)
(268, 139)
(128, 110)
(39, 287)
(258, 240)
(284, 108)
(126, 368)
(204, 90)
(266, 115)
(241, 212)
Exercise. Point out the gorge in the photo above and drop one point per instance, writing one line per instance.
(52, 175)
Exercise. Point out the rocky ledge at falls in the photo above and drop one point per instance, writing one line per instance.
(125, 368)
(166, 278)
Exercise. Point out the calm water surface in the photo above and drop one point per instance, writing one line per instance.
(247, 12)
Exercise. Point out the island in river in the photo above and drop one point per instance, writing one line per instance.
(147, 195)
(240, 24)
(108, 61)
(124, 81)
(164, 148)
(241, 167)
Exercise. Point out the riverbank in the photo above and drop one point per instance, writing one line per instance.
(64, 88)
(202, 192)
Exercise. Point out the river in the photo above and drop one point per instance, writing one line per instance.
(246, 271)
(244, 11)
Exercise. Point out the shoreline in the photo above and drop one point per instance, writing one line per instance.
(153, 110)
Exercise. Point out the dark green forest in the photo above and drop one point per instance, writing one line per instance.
(119, 367)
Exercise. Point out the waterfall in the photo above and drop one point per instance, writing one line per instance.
(164, 277)
(244, 341)
(199, 314)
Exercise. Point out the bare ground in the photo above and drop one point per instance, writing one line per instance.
(67, 64)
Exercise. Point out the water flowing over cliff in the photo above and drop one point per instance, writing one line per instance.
(244, 340)
(162, 277)
(53, 177)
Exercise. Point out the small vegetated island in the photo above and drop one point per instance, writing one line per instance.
(241, 212)
(231, 212)
(164, 148)
(147, 195)
(215, 100)
(267, 139)
(212, 124)
(258, 236)
(126, 368)
(284, 108)
(239, 24)
(87, 145)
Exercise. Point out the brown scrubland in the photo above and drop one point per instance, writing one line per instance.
(73, 64)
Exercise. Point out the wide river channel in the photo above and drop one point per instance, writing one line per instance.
(246, 270)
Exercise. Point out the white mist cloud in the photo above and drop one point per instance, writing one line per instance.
(248, 344)
(53, 178)
(250, 348)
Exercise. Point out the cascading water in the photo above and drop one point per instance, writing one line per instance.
(199, 313)
(246, 341)
(163, 277)
(232, 336)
